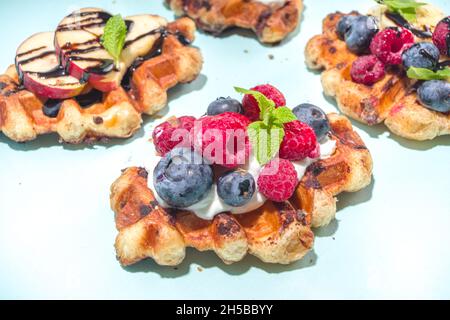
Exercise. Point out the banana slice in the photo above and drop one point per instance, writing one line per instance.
(428, 16)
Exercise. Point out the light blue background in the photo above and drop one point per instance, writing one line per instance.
(57, 230)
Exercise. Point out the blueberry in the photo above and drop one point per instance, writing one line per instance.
(344, 25)
(182, 178)
(435, 95)
(421, 55)
(360, 33)
(315, 117)
(222, 105)
(236, 188)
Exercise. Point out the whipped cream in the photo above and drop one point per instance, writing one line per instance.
(212, 204)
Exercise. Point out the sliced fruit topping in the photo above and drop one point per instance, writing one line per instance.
(79, 41)
(250, 105)
(435, 95)
(299, 141)
(222, 105)
(314, 117)
(176, 132)
(182, 179)
(40, 71)
(236, 188)
(421, 55)
(358, 32)
(278, 180)
(404, 9)
(367, 70)
(388, 45)
(223, 139)
(441, 36)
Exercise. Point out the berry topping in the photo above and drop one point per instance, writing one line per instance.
(250, 105)
(441, 36)
(299, 141)
(344, 25)
(182, 179)
(236, 188)
(367, 70)
(173, 133)
(222, 105)
(435, 95)
(389, 44)
(223, 139)
(359, 32)
(421, 55)
(278, 180)
(314, 117)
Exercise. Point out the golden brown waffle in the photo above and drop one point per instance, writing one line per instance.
(391, 100)
(271, 23)
(276, 233)
(118, 113)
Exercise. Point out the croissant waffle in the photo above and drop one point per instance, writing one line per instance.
(276, 233)
(392, 100)
(118, 113)
(271, 22)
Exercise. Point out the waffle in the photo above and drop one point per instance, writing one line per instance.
(276, 233)
(271, 22)
(392, 100)
(117, 114)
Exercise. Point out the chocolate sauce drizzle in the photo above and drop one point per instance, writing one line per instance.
(402, 22)
(154, 52)
(52, 106)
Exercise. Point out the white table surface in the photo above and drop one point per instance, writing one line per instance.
(391, 240)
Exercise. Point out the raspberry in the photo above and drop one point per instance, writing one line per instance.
(441, 36)
(173, 133)
(389, 44)
(367, 70)
(251, 108)
(223, 139)
(299, 141)
(278, 180)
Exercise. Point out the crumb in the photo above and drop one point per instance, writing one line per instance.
(271, 56)
(245, 51)
(199, 269)
(334, 238)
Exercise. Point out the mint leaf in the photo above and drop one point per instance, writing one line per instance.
(406, 8)
(267, 134)
(283, 115)
(266, 141)
(113, 39)
(427, 74)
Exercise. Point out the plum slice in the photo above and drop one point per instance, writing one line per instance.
(78, 41)
(40, 70)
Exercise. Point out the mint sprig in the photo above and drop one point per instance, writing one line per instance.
(406, 8)
(427, 74)
(113, 38)
(267, 134)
